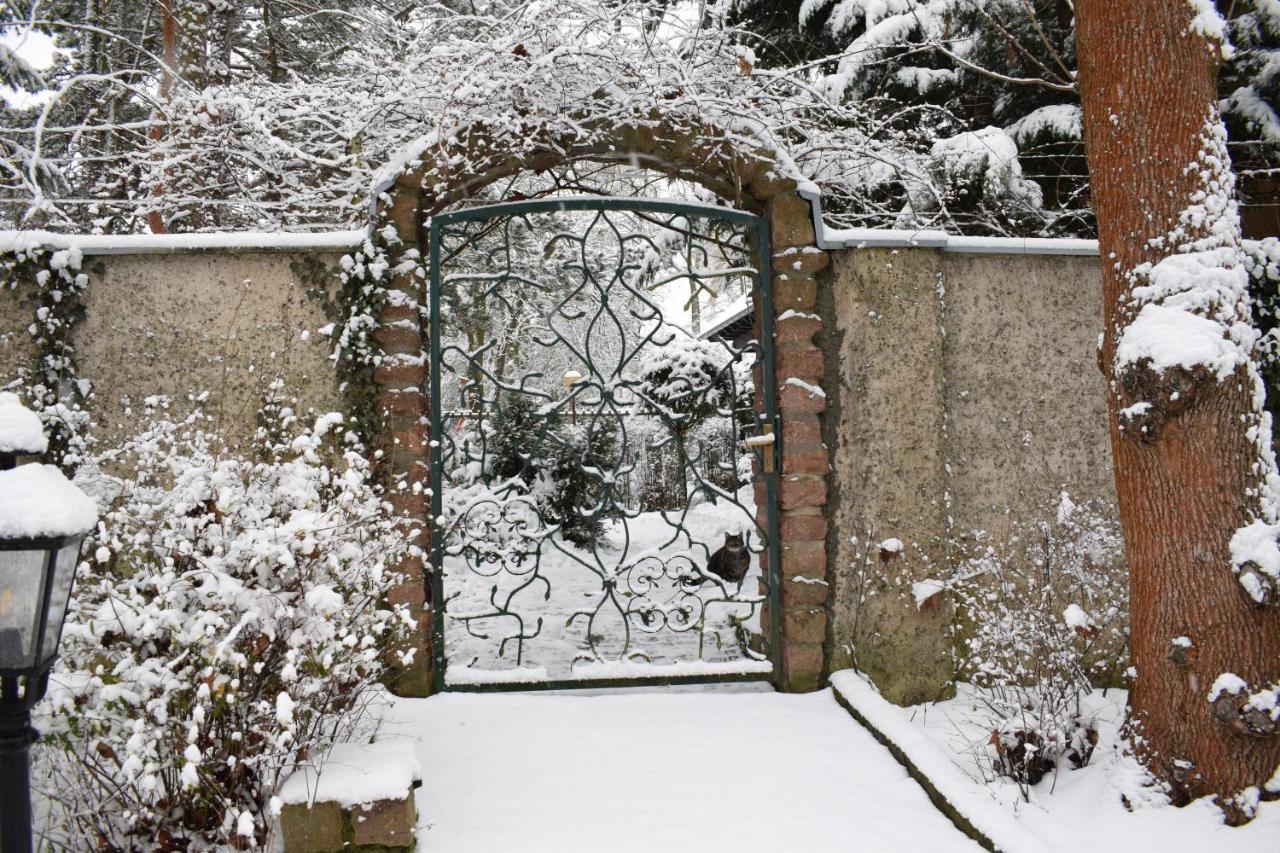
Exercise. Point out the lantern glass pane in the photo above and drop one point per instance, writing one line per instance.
(21, 597)
(64, 574)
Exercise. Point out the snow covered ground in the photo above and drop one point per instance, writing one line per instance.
(1076, 810)
(709, 770)
(645, 556)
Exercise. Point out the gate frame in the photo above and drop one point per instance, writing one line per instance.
(766, 414)
(423, 180)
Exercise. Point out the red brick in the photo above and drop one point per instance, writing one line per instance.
(793, 527)
(409, 505)
(806, 459)
(804, 557)
(413, 439)
(809, 261)
(408, 402)
(790, 220)
(793, 493)
(801, 363)
(394, 313)
(801, 427)
(798, 594)
(801, 666)
(796, 329)
(806, 625)
(793, 398)
(795, 294)
(407, 593)
(400, 375)
(399, 339)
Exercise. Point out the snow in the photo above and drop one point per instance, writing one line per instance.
(1171, 336)
(952, 783)
(1072, 811)
(663, 769)
(571, 582)
(38, 500)
(892, 545)
(1061, 121)
(1256, 543)
(1211, 25)
(1228, 683)
(143, 244)
(1075, 617)
(353, 774)
(924, 590)
(809, 388)
(20, 428)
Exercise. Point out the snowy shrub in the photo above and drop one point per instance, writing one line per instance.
(229, 620)
(559, 461)
(1044, 614)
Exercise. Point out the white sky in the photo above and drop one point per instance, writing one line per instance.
(38, 49)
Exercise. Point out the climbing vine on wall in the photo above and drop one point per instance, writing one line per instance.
(354, 312)
(51, 284)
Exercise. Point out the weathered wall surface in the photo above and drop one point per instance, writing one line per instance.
(16, 345)
(179, 324)
(1025, 400)
(884, 426)
(964, 394)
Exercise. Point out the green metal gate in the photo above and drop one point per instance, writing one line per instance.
(603, 467)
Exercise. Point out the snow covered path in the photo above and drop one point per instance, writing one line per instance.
(663, 770)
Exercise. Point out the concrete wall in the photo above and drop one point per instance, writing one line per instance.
(963, 394)
(179, 324)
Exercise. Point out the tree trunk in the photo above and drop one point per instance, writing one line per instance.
(169, 58)
(1192, 465)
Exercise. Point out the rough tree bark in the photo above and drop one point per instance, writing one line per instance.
(169, 59)
(1191, 468)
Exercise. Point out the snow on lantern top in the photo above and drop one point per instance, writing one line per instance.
(38, 501)
(21, 431)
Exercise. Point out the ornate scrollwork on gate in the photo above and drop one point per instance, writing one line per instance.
(590, 480)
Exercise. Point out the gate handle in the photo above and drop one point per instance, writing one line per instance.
(765, 441)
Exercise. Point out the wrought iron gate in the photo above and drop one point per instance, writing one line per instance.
(596, 454)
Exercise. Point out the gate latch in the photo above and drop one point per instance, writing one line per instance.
(765, 441)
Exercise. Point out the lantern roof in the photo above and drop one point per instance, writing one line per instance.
(21, 431)
(38, 501)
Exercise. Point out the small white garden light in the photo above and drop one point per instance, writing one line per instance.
(44, 518)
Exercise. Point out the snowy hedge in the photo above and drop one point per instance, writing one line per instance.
(228, 621)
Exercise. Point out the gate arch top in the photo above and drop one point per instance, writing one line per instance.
(455, 169)
(434, 176)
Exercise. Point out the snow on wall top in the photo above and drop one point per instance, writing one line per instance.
(353, 774)
(38, 501)
(143, 244)
(20, 428)
(863, 238)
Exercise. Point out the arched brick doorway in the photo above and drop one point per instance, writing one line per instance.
(751, 180)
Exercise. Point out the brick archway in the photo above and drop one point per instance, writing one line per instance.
(749, 179)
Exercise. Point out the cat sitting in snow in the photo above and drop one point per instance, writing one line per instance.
(730, 563)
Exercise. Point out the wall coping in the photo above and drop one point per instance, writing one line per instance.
(865, 238)
(828, 238)
(166, 244)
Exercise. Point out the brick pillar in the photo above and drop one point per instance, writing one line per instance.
(403, 405)
(802, 484)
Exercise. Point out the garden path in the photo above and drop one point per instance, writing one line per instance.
(698, 769)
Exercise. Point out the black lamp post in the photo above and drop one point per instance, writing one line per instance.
(44, 518)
